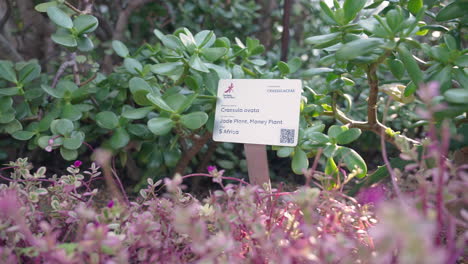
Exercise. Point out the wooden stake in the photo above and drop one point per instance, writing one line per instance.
(257, 164)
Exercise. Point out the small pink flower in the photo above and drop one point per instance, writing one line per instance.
(110, 204)
(211, 169)
(48, 148)
(51, 141)
(77, 163)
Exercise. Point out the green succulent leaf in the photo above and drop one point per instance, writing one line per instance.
(294, 64)
(159, 102)
(458, 96)
(317, 137)
(139, 89)
(9, 91)
(283, 67)
(133, 66)
(453, 10)
(167, 68)
(59, 17)
(462, 61)
(84, 44)
(160, 125)
(284, 152)
(5, 104)
(220, 71)
(136, 113)
(73, 142)
(67, 86)
(411, 66)
(205, 38)
(352, 8)
(42, 7)
(451, 42)
(64, 38)
(43, 141)
(327, 11)
(62, 126)
(85, 24)
(316, 71)
(357, 48)
(353, 161)
(213, 54)
(71, 112)
(225, 164)
(120, 138)
(7, 72)
(299, 161)
(169, 41)
(330, 150)
(107, 119)
(197, 64)
(194, 120)
(192, 83)
(68, 154)
(335, 130)
(120, 48)
(322, 39)
(394, 20)
(188, 40)
(139, 130)
(7, 116)
(57, 93)
(171, 157)
(187, 103)
(137, 84)
(13, 126)
(397, 68)
(29, 72)
(331, 169)
(23, 135)
(348, 136)
(414, 6)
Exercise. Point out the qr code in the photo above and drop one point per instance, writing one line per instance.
(287, 136)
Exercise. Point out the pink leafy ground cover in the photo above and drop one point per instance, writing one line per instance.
(54, 220)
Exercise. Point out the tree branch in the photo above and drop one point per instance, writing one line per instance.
(266, 21)
(373, 94)
(6, 16)
(72, 7)
(124, 15)
(63, 67)
(9, 50)
(378, 128)
(89, 80)
(198, 143)
(285, 33)
(120, 26)
(88, 6)
(207, 156)
(373, 82)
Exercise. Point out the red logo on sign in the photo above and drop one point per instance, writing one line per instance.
(230, 88)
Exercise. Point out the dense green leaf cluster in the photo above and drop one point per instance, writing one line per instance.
(160, 101)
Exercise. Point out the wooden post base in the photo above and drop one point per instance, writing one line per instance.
(257, 164)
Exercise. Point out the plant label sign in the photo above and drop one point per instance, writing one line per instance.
(258, 111)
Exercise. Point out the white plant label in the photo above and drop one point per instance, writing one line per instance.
(258, 111)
